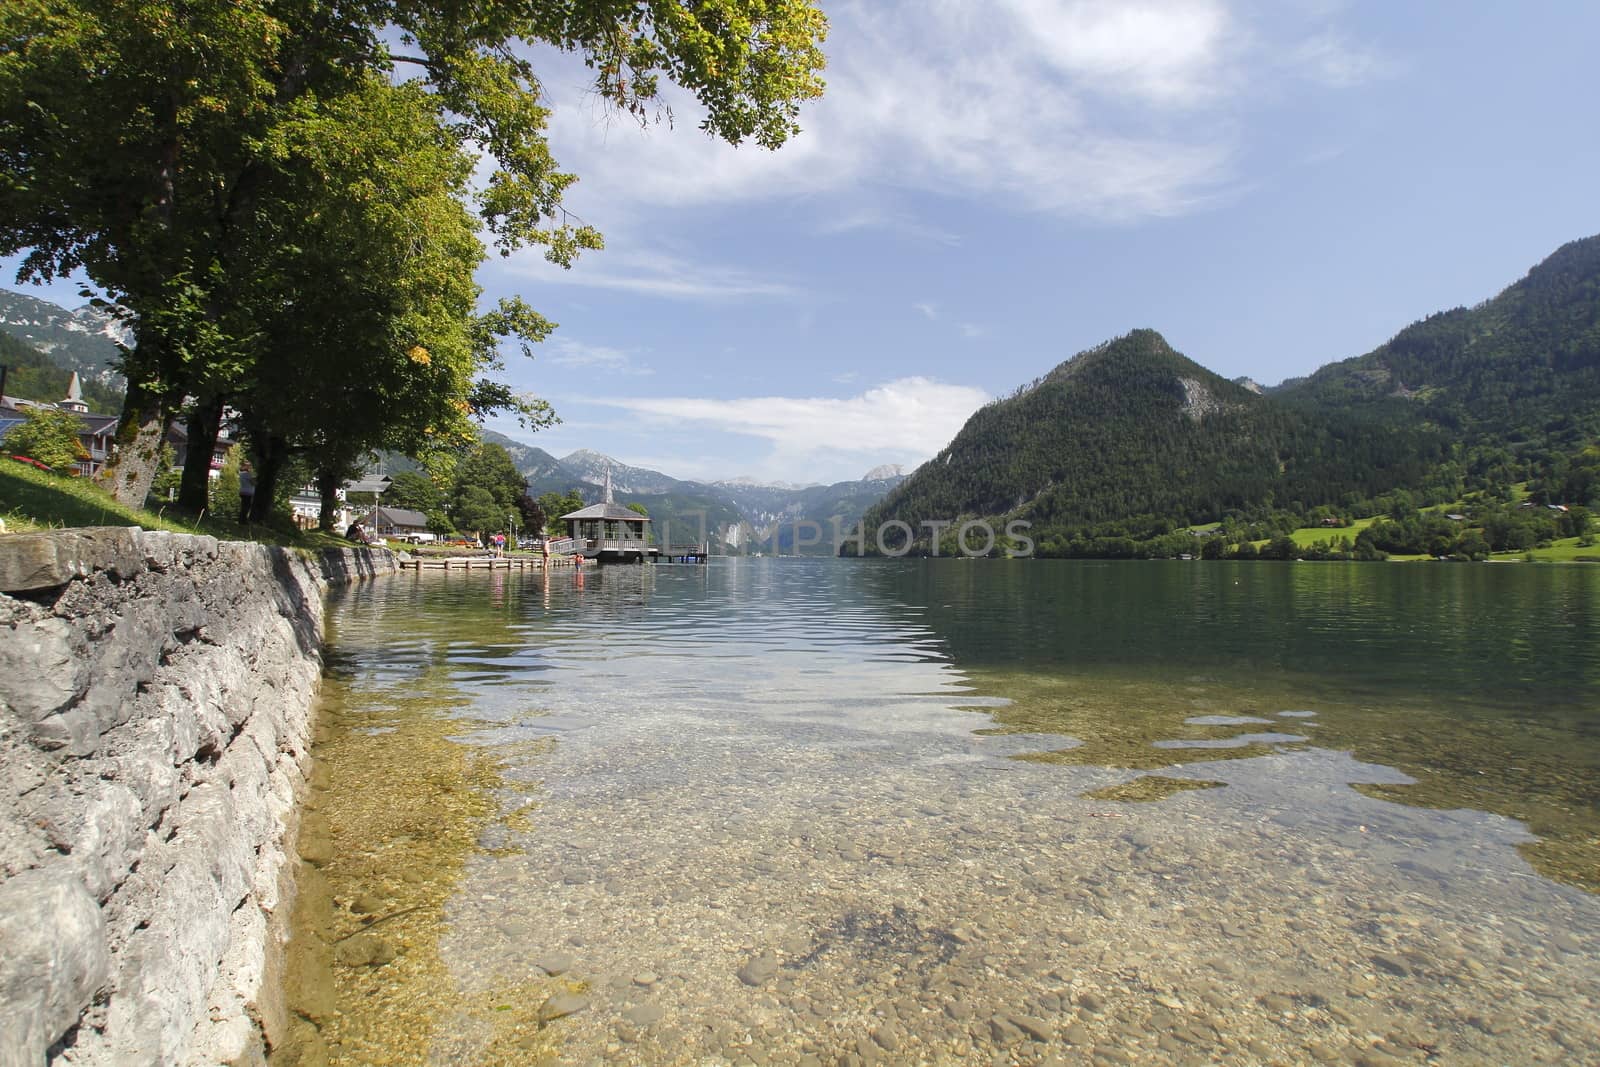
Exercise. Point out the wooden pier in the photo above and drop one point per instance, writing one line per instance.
(590, 552)
(689, 553)
(482, 563)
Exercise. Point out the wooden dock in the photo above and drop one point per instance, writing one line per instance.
(482, 563)
(591, 552)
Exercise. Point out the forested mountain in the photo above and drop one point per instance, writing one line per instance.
(1519, 370)
(1130, 441)
(32, 375)
(535, 464)
(1134, 431)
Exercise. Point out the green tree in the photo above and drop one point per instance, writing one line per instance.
(533, 516)
(224, 488)
(389, 349)
(49, 435)
(413, 490)
(155, 214)
(475, 509)
(489, 467)
(1472, 545)
(639, 509)
(487, 488)
(167, 476)
(1575, 521)
(554, 505)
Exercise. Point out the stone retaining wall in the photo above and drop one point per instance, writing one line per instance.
(155, 713)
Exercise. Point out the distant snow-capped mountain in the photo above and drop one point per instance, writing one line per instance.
(591, 467)
(756, 483)
(88, 339)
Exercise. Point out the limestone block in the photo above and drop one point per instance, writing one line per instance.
(53, 959)
(33, 562)
(105, 833)
(41, 670)
(71, 733)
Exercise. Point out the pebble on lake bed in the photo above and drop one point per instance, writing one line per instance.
(561, 1005)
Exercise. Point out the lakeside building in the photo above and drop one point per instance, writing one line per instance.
(397, 523)
(97, 434)
(305, 503)
(609, 532)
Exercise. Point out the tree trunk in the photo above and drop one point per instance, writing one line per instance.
(204, 426)
(132, 467)
(270, 454)
(328, 490)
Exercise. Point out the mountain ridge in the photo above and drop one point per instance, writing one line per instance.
(1130, 439)
(85, 339)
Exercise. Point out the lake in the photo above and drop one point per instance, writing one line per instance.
(820, 811)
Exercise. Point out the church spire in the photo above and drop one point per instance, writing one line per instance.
(74, 399)
(608, 499)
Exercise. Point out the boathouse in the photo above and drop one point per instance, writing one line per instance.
(609, 532)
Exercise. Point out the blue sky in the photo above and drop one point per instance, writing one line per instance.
(989, 188)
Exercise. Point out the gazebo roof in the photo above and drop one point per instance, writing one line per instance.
(607, 511)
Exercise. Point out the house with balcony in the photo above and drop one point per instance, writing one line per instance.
(97, 435)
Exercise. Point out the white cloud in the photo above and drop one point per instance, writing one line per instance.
(651, 274)
(1164, 52)
(902, 421)
(566, 352)
(890, 221)
(928, 308)
(971, 330)
(1108, 110)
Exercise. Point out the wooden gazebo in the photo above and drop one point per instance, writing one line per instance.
(610, 533)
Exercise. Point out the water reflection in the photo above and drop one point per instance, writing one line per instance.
(794, 810)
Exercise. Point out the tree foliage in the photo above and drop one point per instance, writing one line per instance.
(415, 491)
(276, 192)
(49, 435)
(554, 505)
(487, 489)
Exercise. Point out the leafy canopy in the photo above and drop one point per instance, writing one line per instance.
(49, 435)
(277, 190)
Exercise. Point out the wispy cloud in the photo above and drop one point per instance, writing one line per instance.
(1166, 53)
(887, 220)
(566, 352)
(929, 309)
(1092, 109)
(654, 274)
